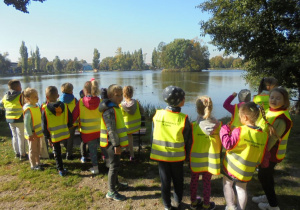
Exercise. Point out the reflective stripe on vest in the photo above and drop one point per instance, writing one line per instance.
(168, 142)
(132, 122)
(235, 119)
(57, 125)
(13, 109)
(120, 129)
(36, 118)
(71, 107)
(262, 100)
(89, 119)
(271, 117)
(242, 160)
(205, 151)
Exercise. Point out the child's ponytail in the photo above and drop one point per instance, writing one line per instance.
(95, 91)
(272, 130)
(204, 106)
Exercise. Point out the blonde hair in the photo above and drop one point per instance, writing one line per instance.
(67, 88)
(112, 89)
(52, 93)
(92, 87)
(267, 81)
(128, 91)
(250, 109)
(13, 84)
(285, 95)
(204, 106)
(29, 91)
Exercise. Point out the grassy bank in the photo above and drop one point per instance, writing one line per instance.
(22, 188)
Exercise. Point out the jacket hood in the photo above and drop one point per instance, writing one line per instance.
(57, 108)
(12, 94)
(66, 98)
(91, 102)
(129, 107)
(208, 126)
(106, 104)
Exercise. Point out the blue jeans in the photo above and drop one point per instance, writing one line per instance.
(93, 148)
(171, 171)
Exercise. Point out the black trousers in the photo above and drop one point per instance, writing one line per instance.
(266, 178)
(114, 166)
(171, 171)
(57, 156)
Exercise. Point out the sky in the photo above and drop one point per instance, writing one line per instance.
(74, 28)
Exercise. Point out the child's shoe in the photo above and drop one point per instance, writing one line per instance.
(121, 186)
(37, 168)
(63, 172)
(94, 170)
(211, 206)
(260, 199)
(24, 157)
(115, 196)
(83, 159)
(17, 156)
(266, 206)
(196, 204)
(230, 208)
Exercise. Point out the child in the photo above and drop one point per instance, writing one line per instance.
(68, 98)
(57, 119)
(279, 119)
(113, 136)
(13, 102)
(132, 112)
(86, 111)
(33, 127)
(245, 147)
(205, 152)
(244, 97)
(171, 142)
(262, 97)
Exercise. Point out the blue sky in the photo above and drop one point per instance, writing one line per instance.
(73, 28)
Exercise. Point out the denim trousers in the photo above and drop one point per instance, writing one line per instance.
(114, 166)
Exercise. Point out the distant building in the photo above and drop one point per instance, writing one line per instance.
(87, 67)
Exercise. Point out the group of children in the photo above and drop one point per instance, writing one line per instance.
(255, 137)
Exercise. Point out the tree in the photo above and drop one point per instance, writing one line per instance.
(24, 57)
(43, 64)
(264, 32)
(96, 59)
(76, 65)
(20, 5)
(37, 59)
(4, 63)
(57, 65)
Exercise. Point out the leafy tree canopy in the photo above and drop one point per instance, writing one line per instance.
(20, 4)
(265, 32)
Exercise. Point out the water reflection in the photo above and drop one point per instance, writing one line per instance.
(148, 85)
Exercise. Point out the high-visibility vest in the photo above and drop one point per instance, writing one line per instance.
(132, 122)
(89, 119)
(13, 109)
(271, 117)
(235, 119)
(242, 160)
(71, 107)
(168, 141)
(120, 126)
(57, 125)
(205, 151)
(36, 118)
(262, 100)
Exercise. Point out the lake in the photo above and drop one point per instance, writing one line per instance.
(148, 85)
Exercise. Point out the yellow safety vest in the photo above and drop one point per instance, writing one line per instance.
(120, 126)
(235, 119)
(168, 142)
(71, 107)
(36, 118)
(271, 117)
(57, 125)
(89, 119)
(242, 160)
(13, 109)
(132, 122)
(205, 151)
(262, 100)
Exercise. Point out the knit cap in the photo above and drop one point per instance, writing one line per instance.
(244, 95)
(173, 95)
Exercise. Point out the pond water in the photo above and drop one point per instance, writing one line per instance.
(148, 85)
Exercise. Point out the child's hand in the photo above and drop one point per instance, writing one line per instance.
(31, 138)
(50, 143)
(234, 94)
(35, 137)
(118, 150)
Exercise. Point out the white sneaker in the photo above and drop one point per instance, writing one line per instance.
(94, 170)
(230, 208)
(266, 206)
(260, 199)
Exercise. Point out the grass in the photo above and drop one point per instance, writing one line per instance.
(23, 188)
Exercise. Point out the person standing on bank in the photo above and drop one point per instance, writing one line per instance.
(171, 142)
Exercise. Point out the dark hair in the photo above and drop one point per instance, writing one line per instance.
(250, 109)
(13, 84)
(266, 81)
